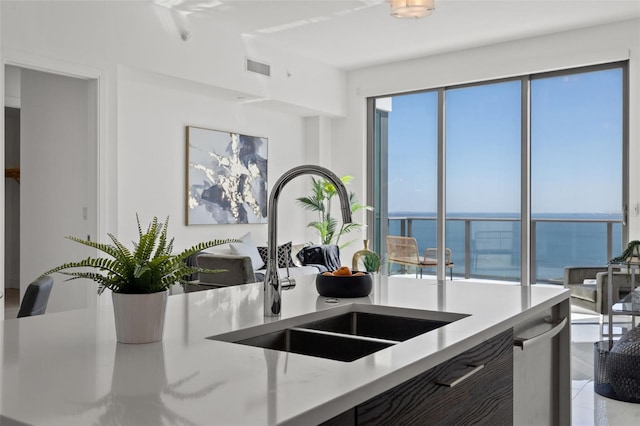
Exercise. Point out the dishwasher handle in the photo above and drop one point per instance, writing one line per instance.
(524, 342)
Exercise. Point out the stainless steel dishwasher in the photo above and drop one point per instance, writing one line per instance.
(542, 372)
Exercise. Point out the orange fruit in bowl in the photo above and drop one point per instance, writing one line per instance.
(327, 274)
(343, 271)
(359, 274)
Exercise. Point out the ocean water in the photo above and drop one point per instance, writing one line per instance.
(560, 240)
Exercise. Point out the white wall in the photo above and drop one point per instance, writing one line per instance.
(152, 84)
(12, 87)
(144, 35)
(104, 37)
(556, 51)
(153, 112)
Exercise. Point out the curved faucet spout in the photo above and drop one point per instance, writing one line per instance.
(272, 282)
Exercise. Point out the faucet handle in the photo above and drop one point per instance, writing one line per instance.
(287, 283)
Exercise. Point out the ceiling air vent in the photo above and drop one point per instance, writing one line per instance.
(258, 67)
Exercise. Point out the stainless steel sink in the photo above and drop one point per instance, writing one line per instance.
(344, 333)
(323, 345)
(378, 326)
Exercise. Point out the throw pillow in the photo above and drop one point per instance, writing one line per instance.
(248, 248)
(284, 255)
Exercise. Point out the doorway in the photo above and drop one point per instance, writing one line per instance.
(55, 155)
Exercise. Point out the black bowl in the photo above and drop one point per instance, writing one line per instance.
(344, 286)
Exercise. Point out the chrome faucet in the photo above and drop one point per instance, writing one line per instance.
(272, 282)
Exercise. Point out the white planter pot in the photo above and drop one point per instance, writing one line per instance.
(139, 317)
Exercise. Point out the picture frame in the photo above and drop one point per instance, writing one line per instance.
(226, 177)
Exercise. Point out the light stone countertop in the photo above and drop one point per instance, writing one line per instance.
(67, 369)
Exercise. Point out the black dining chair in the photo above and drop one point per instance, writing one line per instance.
(36, 297)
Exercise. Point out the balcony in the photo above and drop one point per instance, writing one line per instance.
(488, 247)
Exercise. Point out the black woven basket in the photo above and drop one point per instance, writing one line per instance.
(617, 367)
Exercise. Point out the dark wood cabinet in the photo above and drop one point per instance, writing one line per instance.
(348, 418)
(475, 387)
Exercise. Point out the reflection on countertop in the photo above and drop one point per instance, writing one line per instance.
(66, 368)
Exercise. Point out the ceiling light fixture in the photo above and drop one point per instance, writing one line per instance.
(412, 8)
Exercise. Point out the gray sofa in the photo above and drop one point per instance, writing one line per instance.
(588, 285)
(239, 270)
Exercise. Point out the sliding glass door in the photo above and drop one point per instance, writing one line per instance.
(576, 169)
(411, 172)
(554, 142)
(483, 178)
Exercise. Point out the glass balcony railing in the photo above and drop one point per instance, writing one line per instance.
(489, 247)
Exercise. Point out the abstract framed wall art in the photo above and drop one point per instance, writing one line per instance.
(226, 177)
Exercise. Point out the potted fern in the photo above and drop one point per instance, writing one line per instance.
(139, 279)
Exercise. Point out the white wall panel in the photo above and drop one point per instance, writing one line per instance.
(152, 116)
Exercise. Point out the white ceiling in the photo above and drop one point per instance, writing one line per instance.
(354, 34)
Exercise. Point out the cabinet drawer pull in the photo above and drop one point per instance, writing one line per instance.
(469, 371)
(525, 343)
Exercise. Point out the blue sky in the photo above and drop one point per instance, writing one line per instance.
(576, 130)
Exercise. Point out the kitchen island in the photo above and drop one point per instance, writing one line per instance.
(67, 369)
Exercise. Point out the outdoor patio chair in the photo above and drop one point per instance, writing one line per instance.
(404, 251)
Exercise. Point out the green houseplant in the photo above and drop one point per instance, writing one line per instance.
(322, 193)
(138, 278)
(369, 259)
(371, 262)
